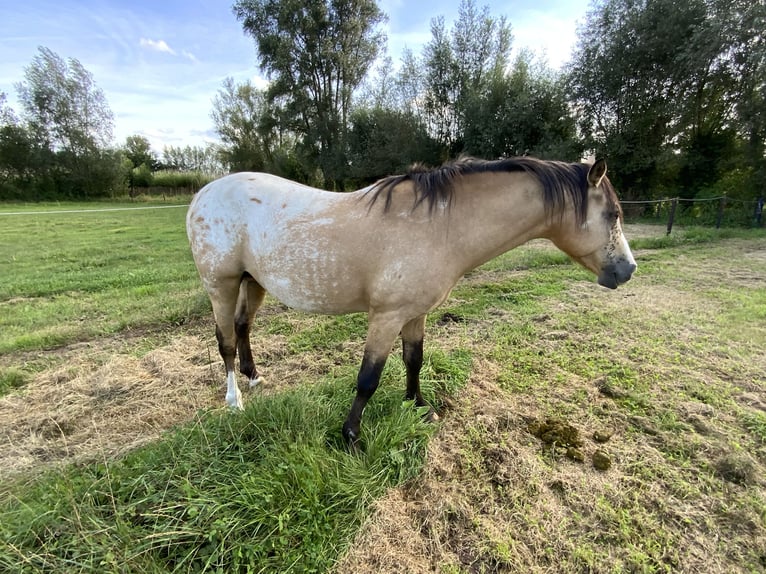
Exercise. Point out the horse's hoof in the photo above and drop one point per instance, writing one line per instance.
(352, 439)
(259, 380)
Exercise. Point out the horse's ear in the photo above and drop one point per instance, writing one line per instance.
(596, 173)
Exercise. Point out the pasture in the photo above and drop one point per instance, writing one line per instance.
(582, 430)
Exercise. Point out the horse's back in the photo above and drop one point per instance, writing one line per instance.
(242, 192)
(294, 240)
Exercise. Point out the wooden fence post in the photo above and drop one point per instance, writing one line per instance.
(719, 217)
(672, 216)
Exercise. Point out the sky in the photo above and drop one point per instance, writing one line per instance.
(161, 62)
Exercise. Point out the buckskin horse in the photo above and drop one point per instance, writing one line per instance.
(394, 249)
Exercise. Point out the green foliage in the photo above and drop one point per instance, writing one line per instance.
(141, 176)
(385, 141)
(462, 96)
(459, 65)
(60, 146)
(139, 152)
(316, 53)
(239, 112)
(181, 179)
(673, 94)
(654, 83)
(524, 111)
(63, 106)
(203, 159)
(12, 378)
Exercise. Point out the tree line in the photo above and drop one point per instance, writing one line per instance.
(673, 94)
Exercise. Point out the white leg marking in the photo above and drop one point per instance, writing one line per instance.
(259, 380)
(233, 395)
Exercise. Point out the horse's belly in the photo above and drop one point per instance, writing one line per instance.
(311, 290)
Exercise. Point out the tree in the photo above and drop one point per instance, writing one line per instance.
(193, 158)
(523, 112)
(139, 151)
(316, 52)
(239, 116)
(63, 105)
(620, 91)
(19, 155)
(384, 141)
(666, 89)
(459, 66)
(68, 115)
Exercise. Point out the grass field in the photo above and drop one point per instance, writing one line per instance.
(118, 456)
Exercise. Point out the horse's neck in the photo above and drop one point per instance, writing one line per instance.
(493, 220)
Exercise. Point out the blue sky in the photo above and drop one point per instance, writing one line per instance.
(160, 63)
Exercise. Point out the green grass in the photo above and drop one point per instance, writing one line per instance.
(69, 276)
(693, 236)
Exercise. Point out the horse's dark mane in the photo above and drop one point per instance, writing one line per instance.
(433, 186)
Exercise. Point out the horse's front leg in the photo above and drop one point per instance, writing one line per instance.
(381, 334)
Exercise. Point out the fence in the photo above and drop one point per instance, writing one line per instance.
(718, 211)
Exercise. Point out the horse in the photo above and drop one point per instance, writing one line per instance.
(394, 249)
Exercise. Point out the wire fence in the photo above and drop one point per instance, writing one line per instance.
(95, 210)
(718, 211)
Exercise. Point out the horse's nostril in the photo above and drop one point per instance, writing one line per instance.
(628, 273)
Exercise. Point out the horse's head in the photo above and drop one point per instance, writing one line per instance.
(597, 243)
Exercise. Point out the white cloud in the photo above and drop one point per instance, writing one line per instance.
(157, 45)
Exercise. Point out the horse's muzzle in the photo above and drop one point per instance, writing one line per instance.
(615, 274)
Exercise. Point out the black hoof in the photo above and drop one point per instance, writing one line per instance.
(351, 437)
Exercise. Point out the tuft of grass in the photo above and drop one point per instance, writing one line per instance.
(12, 378)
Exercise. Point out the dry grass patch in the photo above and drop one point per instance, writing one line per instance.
(86, 408)
(100, 399)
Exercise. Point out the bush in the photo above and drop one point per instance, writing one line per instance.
(141, 176)
(181, 179)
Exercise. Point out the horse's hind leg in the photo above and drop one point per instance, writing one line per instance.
(251, 296)
(224, 300)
